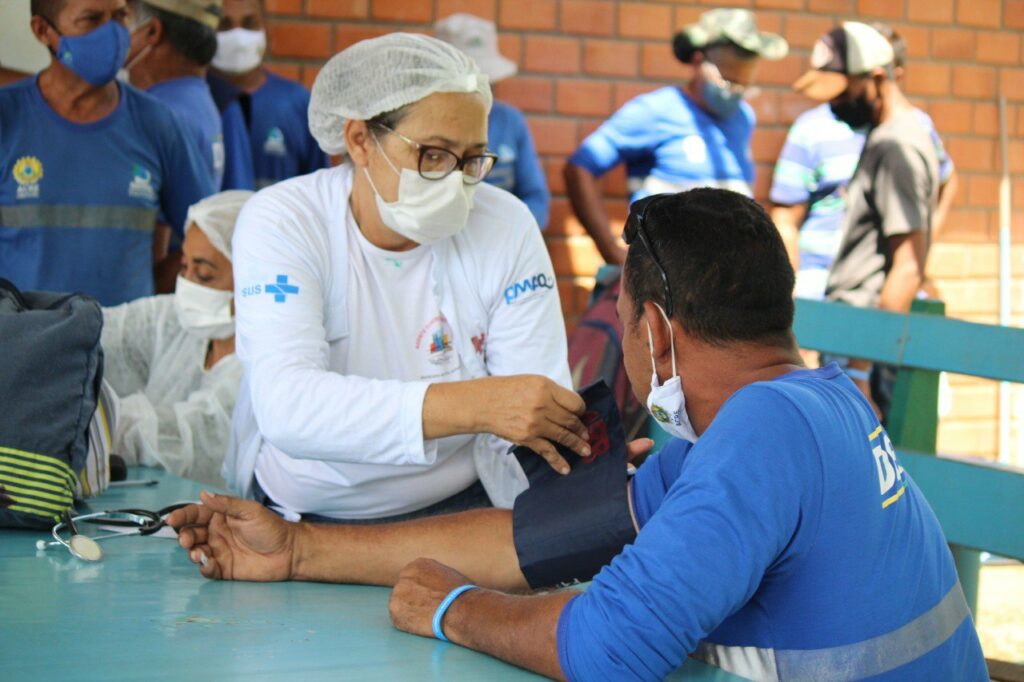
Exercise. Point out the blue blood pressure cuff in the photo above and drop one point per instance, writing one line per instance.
(566, 527)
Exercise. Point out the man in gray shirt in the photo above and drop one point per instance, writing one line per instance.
(893, 192)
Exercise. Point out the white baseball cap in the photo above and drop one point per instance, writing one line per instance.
(850, 49)
(478, 38)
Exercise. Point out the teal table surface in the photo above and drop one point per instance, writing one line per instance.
(145, 613)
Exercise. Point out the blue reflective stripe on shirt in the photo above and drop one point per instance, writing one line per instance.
(518, 169)
(282, 146)
(137, 159)
(788, 526)
(664, 135)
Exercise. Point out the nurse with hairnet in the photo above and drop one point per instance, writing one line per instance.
(172, 358)
(398, 320)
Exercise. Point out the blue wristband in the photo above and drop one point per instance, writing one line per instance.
(857, 374)
(445, 605)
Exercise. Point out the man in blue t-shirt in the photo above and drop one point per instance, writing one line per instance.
(808, 190)
(777, 536)
(518, 169)
(87, 164)
(275, 121)
(678, 138)
(172, 43)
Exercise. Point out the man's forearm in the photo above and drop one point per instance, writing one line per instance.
(519, 629)
(477, 543)
(900, 288)
(585, 197)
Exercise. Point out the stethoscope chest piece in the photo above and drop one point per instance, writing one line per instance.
(85, 548)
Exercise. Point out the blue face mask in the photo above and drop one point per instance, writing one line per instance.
(96, 56)
(720, 99)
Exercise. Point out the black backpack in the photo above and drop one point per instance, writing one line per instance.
(51, 368)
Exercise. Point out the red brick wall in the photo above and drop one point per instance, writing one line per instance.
(582, 59)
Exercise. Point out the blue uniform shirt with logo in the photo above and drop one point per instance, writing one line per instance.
(518, 170)
(814, 168)
(282, 146)
(669, 144)
(190, 99)
(790, 526)
(78, 202)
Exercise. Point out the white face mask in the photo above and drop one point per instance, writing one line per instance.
(239, 50)
(666, 403)
(203, 311)
(427, 211)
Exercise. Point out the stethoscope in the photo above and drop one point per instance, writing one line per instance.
(86, 547)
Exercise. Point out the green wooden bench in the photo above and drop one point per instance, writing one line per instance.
(979, 504)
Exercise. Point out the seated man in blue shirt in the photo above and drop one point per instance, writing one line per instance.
(778, 537)
(87, 163)
(518, 169)
(276, 128)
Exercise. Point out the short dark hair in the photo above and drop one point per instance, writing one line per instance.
(195, 41)
(727, 267)
(48, 9)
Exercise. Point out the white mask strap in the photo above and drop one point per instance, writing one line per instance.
(385, 155)
(671, 340)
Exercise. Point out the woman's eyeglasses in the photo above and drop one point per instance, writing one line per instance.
(635, 228)
(436, 163)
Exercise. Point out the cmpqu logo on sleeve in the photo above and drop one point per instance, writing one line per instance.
(528, 285)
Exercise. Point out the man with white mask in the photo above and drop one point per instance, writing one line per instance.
(397, 319)
(172, 358)
(275, 107)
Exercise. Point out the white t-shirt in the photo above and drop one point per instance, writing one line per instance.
(402, 335)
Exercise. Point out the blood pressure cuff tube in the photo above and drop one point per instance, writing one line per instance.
(566, 527)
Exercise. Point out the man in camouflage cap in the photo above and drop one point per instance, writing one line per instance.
(680, 137)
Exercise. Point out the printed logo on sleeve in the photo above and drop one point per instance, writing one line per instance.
(527, 287)
(280, 289)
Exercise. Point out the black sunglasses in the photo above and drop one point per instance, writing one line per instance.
(635, 228)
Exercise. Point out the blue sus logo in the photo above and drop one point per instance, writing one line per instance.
(280, 289)
(528, 285)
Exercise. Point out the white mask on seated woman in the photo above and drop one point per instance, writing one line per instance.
(203, 311)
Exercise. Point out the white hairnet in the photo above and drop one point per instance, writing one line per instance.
(383, 74)
(216, 215)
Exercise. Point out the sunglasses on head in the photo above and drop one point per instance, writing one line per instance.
(636, 228)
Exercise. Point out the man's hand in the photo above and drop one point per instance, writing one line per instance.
(421, 587)
(233, 539)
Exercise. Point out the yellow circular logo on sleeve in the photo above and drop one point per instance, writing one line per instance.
(28, 170)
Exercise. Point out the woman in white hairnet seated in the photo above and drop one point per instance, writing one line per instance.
(171, 358)
(397, 320)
